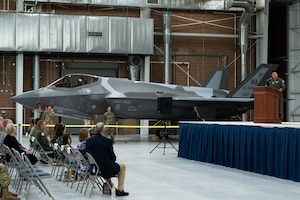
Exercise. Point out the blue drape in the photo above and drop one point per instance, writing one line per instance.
(269, 151)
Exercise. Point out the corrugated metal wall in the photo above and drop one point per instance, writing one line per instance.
(293, 81)
(168, 4)
(75, 34)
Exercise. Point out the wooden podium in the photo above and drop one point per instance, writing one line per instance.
(266, 105)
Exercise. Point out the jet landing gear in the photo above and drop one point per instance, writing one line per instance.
(198, 114)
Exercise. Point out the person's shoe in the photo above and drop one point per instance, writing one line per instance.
(120, 193)
(44, 162)
(6, 195)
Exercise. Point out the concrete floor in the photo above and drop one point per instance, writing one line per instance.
(157, 176)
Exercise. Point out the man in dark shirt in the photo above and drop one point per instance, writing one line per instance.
(101, 148)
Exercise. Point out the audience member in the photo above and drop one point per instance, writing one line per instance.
(83, 135)
(66, 140)
(4, 133)
(41, 136)
(1, 131)
(11, 141)
(30, 127)
(33, 127)
(60, 130)
(1, 125)
(4, 183)
(101, 148)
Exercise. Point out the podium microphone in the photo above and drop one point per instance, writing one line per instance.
(267, 81)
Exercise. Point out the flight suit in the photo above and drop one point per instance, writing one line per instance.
(277, 84)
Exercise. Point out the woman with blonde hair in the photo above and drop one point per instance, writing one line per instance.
(11, 141)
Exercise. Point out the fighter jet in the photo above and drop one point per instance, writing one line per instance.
(84, 96)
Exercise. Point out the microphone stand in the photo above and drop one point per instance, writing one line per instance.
(164, 139)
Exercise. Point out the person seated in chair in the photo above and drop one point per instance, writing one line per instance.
(4, 183)
(41, 136)
(83, 135)
(39, 133)
(101, 148)
(11, 141)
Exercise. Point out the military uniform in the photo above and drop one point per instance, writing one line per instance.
(4, 176)
(4, 183)
(109, 119)
(277, 84)
(48, 116)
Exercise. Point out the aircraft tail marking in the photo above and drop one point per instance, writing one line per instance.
(257, 78)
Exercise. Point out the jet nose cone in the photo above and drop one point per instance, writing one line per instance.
(29, 99)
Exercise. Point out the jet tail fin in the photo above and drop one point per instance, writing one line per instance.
(218, 79)
(257, 78)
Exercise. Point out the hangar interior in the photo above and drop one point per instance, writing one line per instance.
(172, 41)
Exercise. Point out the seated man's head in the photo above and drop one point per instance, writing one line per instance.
(100, 128)
(42, 124)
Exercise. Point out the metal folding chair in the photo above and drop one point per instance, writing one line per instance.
(95, 177)
(57, 161)
(37, 150)
(13, 165)
(31, 175)
(82, 172)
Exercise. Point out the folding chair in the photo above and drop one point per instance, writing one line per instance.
(31, 175)
(57, 161)
(95, 177)
(37, 150)
(13, 165)
(82, 172)
(72, 165)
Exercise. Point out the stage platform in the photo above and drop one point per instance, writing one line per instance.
(268, 149)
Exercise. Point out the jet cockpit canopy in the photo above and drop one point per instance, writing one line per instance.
(74, 80)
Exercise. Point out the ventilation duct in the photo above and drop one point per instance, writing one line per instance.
(244, 24)
(134, 62)
(163, 4)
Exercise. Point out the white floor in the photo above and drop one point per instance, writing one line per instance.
(157, 176)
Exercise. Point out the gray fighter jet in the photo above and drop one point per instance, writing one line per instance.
(84, 96)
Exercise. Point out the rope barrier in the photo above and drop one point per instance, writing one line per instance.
(107, 126)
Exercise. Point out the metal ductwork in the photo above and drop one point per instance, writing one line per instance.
(243, 35)
(161, 4)
(134, 62)
(167, 30)
(33, 32)
(175, 4)
(244, 24)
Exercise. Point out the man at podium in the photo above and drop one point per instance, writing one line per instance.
(278, 83)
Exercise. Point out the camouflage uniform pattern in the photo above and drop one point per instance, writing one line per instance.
(4, 176)
(277, 84)
(109, 119)
(49, 116)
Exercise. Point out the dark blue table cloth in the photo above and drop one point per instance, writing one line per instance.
(269, 151)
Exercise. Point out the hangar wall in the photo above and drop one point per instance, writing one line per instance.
(193, 57)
